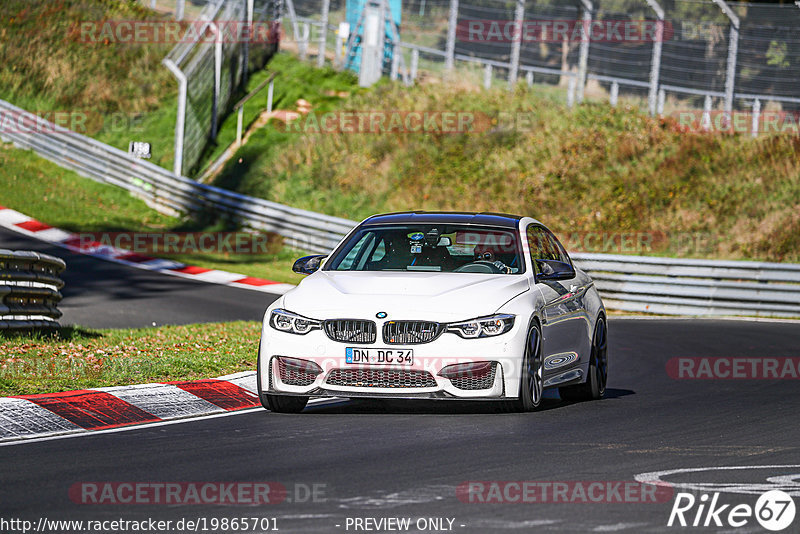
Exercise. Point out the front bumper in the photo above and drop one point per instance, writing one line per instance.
(422, 379)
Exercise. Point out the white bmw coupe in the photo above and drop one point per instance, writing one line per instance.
(433, 305)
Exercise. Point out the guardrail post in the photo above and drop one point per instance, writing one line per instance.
(705, 121)
(583, 58)
(323, 40)
(450, 49)
(246, 44)
(614, 94)
(239, 121)
(217, 79)
(270, 92)
(571, 91)
(304, 39)
(414, 64)
(179, 9)
(529, 78)
(180, 121)
(487, 76)
(756, 117)
(662, 97)
(395, 64)
(516, 45)
(733, 49)
(655, 60)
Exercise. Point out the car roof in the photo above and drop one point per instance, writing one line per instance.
(445, 217)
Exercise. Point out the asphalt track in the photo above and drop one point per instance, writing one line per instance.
(382, 459)
(103, 294)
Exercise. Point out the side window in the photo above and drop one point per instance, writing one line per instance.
(544, 246)
(558, 248)
(536, 245)
(357, 251)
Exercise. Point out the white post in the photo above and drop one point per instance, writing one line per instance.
(583, 58)
(217, 79)
(571, 91)
(756, 116)
(452, 22)
(270, 92)
(487, 76)
(323, 40)
(614, 94)
(395, 64)
(372, 45)
(655, 60)
(733, 49)
(516, 45)
(529, 78)
(304, 39)
(414, 64)
(705, 121)
(239, 121)
(152, 4)
(342, 35)
(180, 121)
(295, 26)
(179, 9)
(662, 97)
(246, 44)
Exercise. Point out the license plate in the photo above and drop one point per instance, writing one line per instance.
(379, 356)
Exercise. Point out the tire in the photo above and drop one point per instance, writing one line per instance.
(595, 385)
(531, 386)
(277, 403)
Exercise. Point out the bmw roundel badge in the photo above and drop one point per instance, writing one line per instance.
(381, 315)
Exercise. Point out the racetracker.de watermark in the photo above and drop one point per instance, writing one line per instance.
(205, 493)
(170, 243)
(152, 32)
(557, 31)
(564, 491)
(738, 122)
(640, 242)
(392, 122)
(733, 368)
(78, 121)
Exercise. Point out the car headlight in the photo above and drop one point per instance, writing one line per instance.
(286, 321)
(494, 325)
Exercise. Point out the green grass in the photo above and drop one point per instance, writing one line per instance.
(593, 169)
(77, 358)
(295, 80)
(63, 199)
(116, 92)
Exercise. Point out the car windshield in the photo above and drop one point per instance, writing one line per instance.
(432, 248)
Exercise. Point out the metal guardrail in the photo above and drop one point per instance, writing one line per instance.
(29, 290)
(632, 283)
(694, 287)
(165, 191)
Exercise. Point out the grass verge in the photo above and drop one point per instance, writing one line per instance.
(61, 198)
(76, 358)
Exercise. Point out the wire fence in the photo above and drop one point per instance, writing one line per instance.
(212, 68)
(671, 54)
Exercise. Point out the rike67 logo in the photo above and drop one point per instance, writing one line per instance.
(774, 511)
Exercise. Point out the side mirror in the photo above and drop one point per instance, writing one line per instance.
(554, 270)
(308, 264)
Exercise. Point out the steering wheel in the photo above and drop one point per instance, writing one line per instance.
(483, 266)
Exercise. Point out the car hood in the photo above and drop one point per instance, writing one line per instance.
(403, 295)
